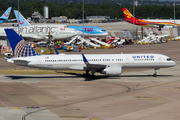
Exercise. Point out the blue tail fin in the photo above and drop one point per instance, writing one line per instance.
(56, 51)
(19, 46)
(21, 20)
(6, 14)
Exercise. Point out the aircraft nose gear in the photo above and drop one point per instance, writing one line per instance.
(155, 72)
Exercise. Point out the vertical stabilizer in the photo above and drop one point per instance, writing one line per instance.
(6, 14)
(21, 20)
(19, 46)
(127, 14)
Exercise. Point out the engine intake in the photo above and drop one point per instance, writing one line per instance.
(112, 70)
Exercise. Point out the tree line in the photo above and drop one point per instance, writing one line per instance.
(74, 11)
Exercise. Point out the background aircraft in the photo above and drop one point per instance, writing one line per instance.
(110, 64)
(90, 31)
(5, 16)
(41, 31)
(148, 22)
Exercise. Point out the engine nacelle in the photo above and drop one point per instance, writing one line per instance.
(112, 70)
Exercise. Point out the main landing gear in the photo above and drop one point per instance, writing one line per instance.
(87, 75)
(155, 72)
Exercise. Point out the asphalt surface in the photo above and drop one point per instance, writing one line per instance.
(131, 96)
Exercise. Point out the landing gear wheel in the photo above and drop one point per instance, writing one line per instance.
(86, 75)
(155, 72)
(154, 75)
(93, 76)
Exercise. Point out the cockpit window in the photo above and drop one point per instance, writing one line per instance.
(102, 30)
(66, 26)
(169, 59)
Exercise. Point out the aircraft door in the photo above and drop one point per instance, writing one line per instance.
(160, 59)
(127, 59)
(38, 60)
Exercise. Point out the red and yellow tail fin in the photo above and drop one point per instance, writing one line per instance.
(127, 14)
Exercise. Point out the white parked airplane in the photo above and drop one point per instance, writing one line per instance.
(41, 31)
(110, 64)
(89, 31)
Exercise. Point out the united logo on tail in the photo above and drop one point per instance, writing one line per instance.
(19, 46)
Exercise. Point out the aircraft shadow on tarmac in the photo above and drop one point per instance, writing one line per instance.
(72, 75)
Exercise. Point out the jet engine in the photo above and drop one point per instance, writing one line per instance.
(112, 70)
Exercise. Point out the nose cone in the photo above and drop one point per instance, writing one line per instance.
(73, 32)
(173, 63)
(105, 34)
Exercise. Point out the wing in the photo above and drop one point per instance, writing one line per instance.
(89, 66)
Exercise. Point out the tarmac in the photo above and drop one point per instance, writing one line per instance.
(134, 95)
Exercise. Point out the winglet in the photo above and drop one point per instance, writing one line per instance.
(84, 59)
(22, 21)
(56, 51)
(19, 46)
(6, 14)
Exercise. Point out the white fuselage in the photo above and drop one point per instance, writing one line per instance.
(75, 62)
(40, 32)
(163, 20)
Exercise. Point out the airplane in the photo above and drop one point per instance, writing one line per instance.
(90, 31)
(40, 31)
(109, 64)
(5, 16)
(149, 22)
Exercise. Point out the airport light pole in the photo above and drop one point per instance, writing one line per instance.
(18, 18)
(83, 19)
(174, 13)
(133, 19)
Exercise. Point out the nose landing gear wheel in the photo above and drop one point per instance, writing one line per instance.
(155, 72)
(154, 75)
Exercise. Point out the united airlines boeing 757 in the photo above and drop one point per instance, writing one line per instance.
(110, 64)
